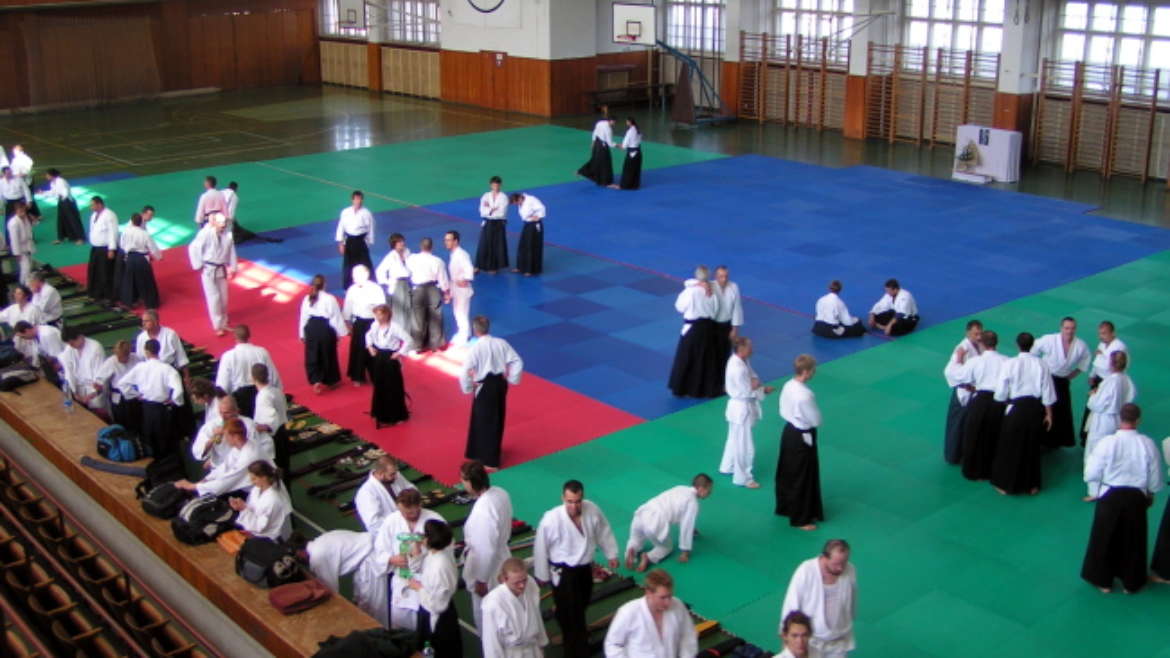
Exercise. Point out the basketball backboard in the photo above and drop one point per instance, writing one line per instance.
(634, 24)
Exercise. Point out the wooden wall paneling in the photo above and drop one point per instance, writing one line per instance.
(729, 86)
(248, 45)
(373, 67)
(526, 86)
(175, 62)
(569, 80)
(12, 70)
(433, 75)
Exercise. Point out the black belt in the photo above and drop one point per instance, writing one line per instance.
(1022, 398)
(428, 283)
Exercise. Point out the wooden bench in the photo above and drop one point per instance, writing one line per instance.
(64, 438)
(632, 93)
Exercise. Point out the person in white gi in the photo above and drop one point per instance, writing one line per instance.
(393, 275)
(652, 520)
(46, 298)
(232, 474)
(969, 347)
(354, 235)
(171, 350)
(729, 317)
(486, 533)
(512, 626)
(438, 622)
(491, 254)
(112, 369)
(235, 366)
(20, 240)
(1025, 385)
(270, 413)
(795, 633)
(1109, 343)
(41, 344)
(211, 202)
(394, 551)
(1105, 405)
(68, 217)
(160, 388)
(103, 247)
(81, 361)
(656, 625)
(1066, 357)
(22, 308)
(825, 589)
(566, 540)
(430, 289)
(461, 273)
(267, 511)
(376, 498)
(209, 448)
(744, 393)
(896, 312)
(489, 367)
(361, 297)
(338, 553)
(13, 188)
(213, 253)
(231, 201)
(832, 316)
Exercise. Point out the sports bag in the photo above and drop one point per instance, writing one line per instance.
(297, 597)
(163, 469)
(8, 353)
(201, 520)
(17, 375)
(116, 444)
(266, 563)
(164, 501)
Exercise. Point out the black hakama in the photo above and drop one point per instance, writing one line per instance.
(321, 365)
(388, 401)
(356, 252)
(359, 357)
(571, 598)
(138, 282)
(446, 638)
(826, 330)
(1117, 542)
(1016, 469)
(245, 397)
(599, 169)
(156, 429)
(953, 441)
(127, 413)
(798, 478)
(99, 275)
(981, 429)
(903, 325)
(698, 371)
(1160, 564)
(69, 221)
(721, 339)
(530, 251)
(1061, 434)
(486, 434)
(632, 169)
(491, 253)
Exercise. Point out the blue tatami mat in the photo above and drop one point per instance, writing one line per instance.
(786, 229)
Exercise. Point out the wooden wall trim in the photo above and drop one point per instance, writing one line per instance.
(855, 107)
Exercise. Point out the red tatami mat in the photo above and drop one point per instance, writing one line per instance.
(543, 417)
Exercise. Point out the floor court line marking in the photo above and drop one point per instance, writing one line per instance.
(641, 268)
(64, 146)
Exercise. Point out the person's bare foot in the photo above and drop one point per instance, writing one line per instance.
(515, 270)
(56, 242)
(630, 555)
(1034, 491)
(644, 563)
(1155, 578)
(752, 485)
(613, 187)
(1089, 499)
(1104, 590)
(221, 332)
(491, 469)
(1001, 491)
(809, 527)
(318, 388)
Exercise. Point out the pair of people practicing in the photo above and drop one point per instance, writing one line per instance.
(895, 314)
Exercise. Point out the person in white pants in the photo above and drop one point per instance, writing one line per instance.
(461, 273)
(213, 253)
(20, 239)
(744, 392)
(653, 519)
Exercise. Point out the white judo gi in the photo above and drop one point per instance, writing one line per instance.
(390, 600)
(831, 608)
(339, 553)
(374, 503)
(652, 521)
(1105, 405)
(460, 269)
(633, 633)
(512, 626)
(213, 253)
(743, 410)
(486, 533)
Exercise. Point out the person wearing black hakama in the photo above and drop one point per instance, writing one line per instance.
(438, 621)
(530, 251)
(798, 470)
(1026, 386)
(632, 162)
(386, 344)
(355, 234)
(698, 369)
(68, 217)
(960, 394)
(896, 312)
(1067, 357)
(319, 327)
(491, 254)
(599, 168)
(490, 366)
(103, 242)
(358, 313)
(1128, 469)
(984, 418)
(137, 282)
(729, 317)
(833, 319)
(160, 388)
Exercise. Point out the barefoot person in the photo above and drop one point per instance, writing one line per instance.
(653, 519)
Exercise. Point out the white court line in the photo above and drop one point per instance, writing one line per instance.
(264, 137)
(107, 156)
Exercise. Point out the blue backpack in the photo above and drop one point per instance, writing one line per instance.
(118, 445)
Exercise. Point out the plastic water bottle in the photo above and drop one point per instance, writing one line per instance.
(427, 650)
(67, 397)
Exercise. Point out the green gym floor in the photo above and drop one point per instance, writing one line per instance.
(946, 567)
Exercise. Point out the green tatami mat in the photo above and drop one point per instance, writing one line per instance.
(312, 188)
(946, 567)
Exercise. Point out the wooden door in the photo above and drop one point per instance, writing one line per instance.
(494, 73)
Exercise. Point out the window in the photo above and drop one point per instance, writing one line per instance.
(695, 25)
(387, 21)
(817, 19)
(1133, 35)
(955, 24)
